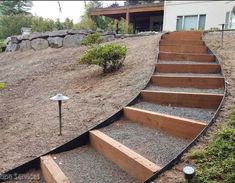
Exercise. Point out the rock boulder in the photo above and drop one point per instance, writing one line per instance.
(25, 45)
(55, 42)
(73, 40)
(11, 47)
(39, 44)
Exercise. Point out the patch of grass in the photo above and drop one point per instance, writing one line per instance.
(216, 163)
(2, 86)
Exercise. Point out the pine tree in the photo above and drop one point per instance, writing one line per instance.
(21, 7)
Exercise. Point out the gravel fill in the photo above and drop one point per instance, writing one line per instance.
(152, 144)
(188, 74)
(190, 90)
(184, 62)
(85, 164)
(202, 115)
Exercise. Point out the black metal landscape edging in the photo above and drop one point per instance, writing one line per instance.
(79, 141)
(194, 141)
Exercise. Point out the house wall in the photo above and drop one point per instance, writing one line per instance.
(215, 12)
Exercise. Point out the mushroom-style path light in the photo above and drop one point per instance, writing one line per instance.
(189, 172)
(59, 98)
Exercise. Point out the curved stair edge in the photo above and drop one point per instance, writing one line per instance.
(203, 132)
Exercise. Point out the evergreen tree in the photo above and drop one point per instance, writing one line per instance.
(20, 7)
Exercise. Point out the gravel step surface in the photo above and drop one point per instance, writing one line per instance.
(152, 144)
(202, 115)
(179, 89)
(187, 74)
(184, 62)
(85, 164)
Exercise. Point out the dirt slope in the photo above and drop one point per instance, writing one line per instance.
(28, 119)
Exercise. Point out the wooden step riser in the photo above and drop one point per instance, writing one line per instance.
(176, 37)
(179, 127)
(51, 171)
(185, 33)
(188, 68)
(181, 42)
(189, 82)
(183, 49)
(185, 57)
(177, 99)
(130, 161)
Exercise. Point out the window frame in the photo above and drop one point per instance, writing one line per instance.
(183, 21)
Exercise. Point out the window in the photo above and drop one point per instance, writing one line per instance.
(179, 23)
(192, 22)
(227, 20)
(202, 22)
(230, 20)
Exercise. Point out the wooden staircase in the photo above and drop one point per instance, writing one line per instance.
(180, 65)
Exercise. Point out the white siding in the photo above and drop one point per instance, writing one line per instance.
(215, 12)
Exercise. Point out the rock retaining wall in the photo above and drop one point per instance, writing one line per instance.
(54, 39)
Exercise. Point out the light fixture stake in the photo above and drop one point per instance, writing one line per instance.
(60, 98)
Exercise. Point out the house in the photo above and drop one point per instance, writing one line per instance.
(198, 15)
(143, 17)
(173, 15)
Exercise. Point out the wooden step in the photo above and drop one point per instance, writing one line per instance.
(130, 161)
(180, 127)
(181, 37)
(188, 68)
(183, 49)
(202, 82)
(182, 99)
(51, 171)
(186, 57)
(182, 42)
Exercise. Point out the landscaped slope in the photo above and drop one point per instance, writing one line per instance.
(29, 125)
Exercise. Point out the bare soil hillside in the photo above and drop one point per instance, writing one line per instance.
(28, 119)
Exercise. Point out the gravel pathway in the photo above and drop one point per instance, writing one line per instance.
(191, 90)
(152, 144)
(203, 115)
(85, 164)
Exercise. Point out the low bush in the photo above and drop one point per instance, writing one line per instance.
(216, 163)
(90, 39)
(110, 56)
(2, 46)
(2, 86)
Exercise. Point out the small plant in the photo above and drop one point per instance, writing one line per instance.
(216, 163)
(90, 39)
(2, 46)
(2, 86)
(110, 56)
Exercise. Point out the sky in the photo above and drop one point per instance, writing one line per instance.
(71, 9)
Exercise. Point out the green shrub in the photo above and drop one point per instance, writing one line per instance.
(91, 39)
(2, 86)
(2, 46)
(216, 163)
(12, 24)
(110, 56)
